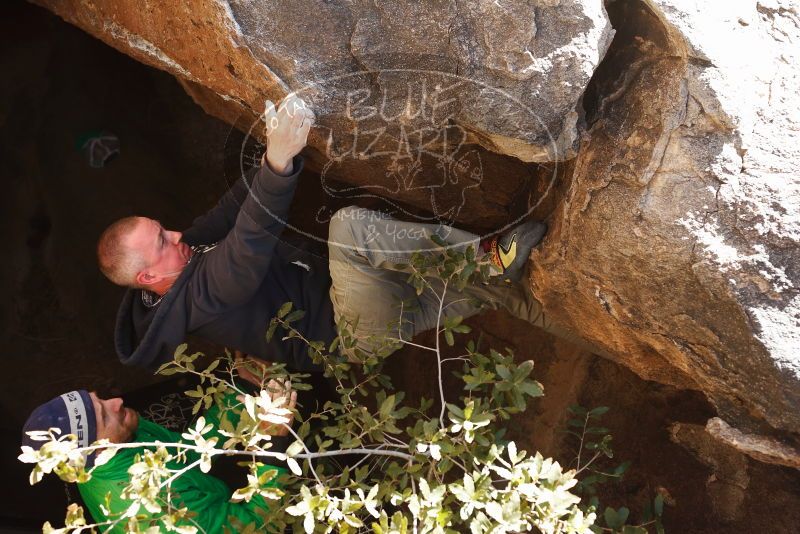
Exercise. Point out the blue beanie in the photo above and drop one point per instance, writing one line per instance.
(72, 412)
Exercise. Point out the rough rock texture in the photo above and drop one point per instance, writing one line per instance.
(675, 247)
(387, 80)
(727, 484)
(762, 449)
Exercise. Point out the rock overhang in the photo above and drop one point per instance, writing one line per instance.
(674, 245)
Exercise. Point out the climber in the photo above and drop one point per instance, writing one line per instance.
(91, 418)
(225, 277)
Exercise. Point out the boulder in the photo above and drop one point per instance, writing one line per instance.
(676, 219)
(676, 246)
(445, 79)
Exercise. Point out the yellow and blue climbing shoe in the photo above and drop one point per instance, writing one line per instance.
(511, 250)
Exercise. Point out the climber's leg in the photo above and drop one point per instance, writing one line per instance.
(366, 248)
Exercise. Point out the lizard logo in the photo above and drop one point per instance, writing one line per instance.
(418, 143)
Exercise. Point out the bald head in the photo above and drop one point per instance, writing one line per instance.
(138, 252)
(118, 261)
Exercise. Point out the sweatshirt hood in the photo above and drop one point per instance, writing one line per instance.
(148, 336)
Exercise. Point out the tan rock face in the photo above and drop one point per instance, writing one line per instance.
(674, 245)
(408, 96)
(669, 251)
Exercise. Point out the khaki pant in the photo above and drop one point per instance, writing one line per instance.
(365, 247)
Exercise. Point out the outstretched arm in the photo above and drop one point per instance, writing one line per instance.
(234, 270)
(214, 225)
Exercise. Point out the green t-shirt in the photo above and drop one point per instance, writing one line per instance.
(205, 495)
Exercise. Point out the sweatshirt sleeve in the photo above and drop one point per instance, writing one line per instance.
(235, 268)
(215, 224)
(244, 512)
(206, 497)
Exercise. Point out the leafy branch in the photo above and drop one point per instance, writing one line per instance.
(595, 442)
(368, 461)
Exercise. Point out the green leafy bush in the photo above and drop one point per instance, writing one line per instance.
(369, 461)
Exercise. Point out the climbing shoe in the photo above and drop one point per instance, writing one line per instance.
(510, 251)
